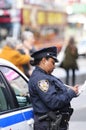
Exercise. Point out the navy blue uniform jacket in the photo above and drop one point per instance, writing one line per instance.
(48, 92)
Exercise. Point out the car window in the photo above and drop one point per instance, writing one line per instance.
(19, 86)
(4, 103)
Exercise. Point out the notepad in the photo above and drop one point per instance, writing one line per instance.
(82, 87)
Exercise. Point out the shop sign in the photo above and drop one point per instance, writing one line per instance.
(55, 18)
(25, 16)
(41, 18)
(50, 18)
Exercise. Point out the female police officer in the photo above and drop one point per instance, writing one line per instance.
(47, 92)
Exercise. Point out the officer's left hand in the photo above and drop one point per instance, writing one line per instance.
(75, 88)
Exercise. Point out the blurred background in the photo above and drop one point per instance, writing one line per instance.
(52, 21)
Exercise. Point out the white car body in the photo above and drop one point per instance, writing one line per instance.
(20, 115)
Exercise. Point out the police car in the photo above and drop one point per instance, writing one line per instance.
(16, 112)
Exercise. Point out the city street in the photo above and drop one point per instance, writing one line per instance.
(78, 119)
(80, 73)
(27, 26)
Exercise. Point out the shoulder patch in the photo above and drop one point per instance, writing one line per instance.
(43, 85)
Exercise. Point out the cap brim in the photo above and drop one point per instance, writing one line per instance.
(56, 60)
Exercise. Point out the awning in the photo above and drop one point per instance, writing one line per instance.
(10, 15)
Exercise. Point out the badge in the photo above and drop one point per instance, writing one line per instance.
(43, 85)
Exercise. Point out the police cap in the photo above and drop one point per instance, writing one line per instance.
(46, 52)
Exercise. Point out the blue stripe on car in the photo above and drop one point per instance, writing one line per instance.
(17, 118)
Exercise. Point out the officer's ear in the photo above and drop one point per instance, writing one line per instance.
(44, 60)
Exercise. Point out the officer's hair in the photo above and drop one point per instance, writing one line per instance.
(37, 61)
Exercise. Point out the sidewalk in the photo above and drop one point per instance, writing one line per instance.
(80, 74)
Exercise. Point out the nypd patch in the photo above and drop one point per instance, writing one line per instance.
(43, 85)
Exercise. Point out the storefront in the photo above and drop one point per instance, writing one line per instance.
(9, 22)
(49, 24)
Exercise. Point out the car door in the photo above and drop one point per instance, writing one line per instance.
(16, 112)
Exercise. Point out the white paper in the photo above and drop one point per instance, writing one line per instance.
(82, 87)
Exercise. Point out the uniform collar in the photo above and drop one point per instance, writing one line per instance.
(38, 68)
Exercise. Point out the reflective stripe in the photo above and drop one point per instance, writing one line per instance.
(17, 118)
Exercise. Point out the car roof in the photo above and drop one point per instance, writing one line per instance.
(9, 64)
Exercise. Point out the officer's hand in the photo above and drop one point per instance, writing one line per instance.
(75, 88)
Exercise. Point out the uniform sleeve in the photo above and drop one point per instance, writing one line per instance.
(50, 96)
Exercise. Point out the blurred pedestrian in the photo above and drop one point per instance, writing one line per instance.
(70, 60)
(10, 53)
(27, 41)
(48, 93)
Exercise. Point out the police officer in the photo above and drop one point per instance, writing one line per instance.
(47, 92)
